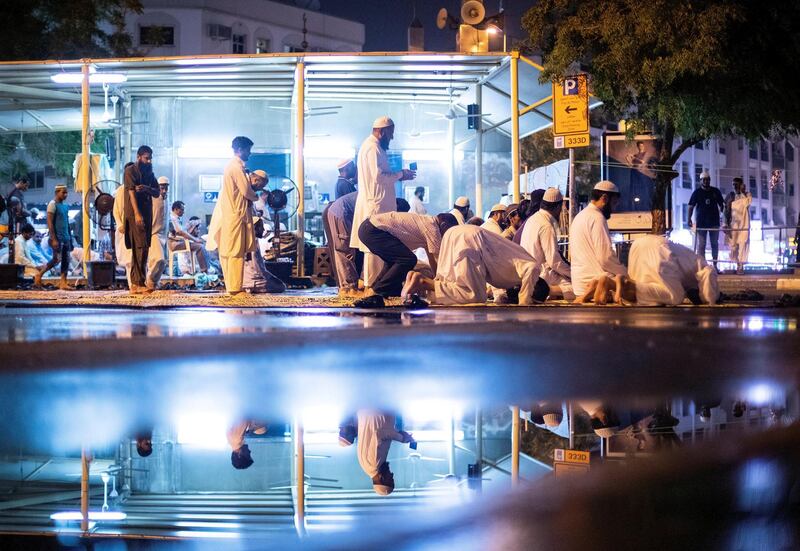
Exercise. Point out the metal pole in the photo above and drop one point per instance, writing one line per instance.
(451, 169)
(515, 123)
(573, 203)
(85, 459)
(571, 425)
(85, 164)
(515, 446)
(479, 438)
(451, 446)
(300, 468)
(479, 151)
(300, 83)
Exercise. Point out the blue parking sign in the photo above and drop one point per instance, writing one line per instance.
(210, 196)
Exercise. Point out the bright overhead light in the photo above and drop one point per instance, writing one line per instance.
(94, 78)
(93, 515)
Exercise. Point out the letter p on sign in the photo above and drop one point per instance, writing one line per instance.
(570, 86)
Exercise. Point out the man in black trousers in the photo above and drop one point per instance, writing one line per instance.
(140, 188)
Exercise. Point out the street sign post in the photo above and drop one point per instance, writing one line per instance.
(571, 106)
(570, 462)
(570, 141)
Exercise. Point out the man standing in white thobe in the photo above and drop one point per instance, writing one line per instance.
(470, 258)
(417, 207)
(590, 249)
(236, 234)
(122, 252)
(376, 432)
(156, 260)
(461, 209)
(737, 214)
(376, 189)
(540, 240)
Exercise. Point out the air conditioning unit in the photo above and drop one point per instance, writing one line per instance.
(219, 32)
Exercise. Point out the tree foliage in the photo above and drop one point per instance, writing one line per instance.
(537, 150)
(691, 68)
(64, 29)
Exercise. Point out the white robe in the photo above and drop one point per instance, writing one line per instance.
(540, 240)
(739, 241)
(471, 257)
(664, 271)
(492, 225)
(375, 187)
(417, 207)
(375, 434)
(458, 215)
(123, 253)
(590, 250)
(21, 256)
(235, 234)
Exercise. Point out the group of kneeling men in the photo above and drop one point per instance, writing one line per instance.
(466, 262)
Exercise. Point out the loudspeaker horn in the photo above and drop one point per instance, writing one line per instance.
(472, 12)
(441, 18)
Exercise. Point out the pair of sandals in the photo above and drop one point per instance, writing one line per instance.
(412, 302)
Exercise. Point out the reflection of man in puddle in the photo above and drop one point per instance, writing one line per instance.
(240, 451)
(376, 431)
(144, 443)
(633, 430)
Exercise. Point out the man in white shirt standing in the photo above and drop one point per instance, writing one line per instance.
(376, 192)
(393, 236)
(237, 237)
(417, 207)
(540, 239)
(376, 431)
(156, 260)
(590, 248)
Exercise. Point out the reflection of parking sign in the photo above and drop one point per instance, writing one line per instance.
(570, 87)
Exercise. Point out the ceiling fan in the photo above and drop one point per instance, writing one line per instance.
(415, 131)
(452, 113)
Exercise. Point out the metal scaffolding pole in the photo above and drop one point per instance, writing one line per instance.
(515, 123)
(479, 151)
(85, 459)
(300, 84)
(451, 169)
(451, 446)
(84, 175)
(300, 473)
(573, 192)
(479, 438)
(515, 437)
(571, 422)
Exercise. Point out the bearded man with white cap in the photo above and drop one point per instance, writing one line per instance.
(496, 220)
(591, 251)
(347, 178)
(710, 204)
(376, 194)
(540, 240)
(461, 209)
(376, 431)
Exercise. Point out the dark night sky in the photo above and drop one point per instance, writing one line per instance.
(386, 21)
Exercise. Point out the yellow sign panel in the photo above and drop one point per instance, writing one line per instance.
(571, 456)
(570, 141)
(569, 469)
(571, 105)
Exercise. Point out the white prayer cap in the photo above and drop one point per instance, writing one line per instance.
(343, 163)
(260, 173)
(606, 185)
(382, 122)
(704, 175)
(606, 432)
(552, 195)
(462, 202)
(163, 180)
(498, 207)
(552, 419)
(382, 490)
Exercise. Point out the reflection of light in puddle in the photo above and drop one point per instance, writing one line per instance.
(755, 323)
(761, 394)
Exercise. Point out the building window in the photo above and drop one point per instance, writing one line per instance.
(752, 213)
(698, 145)
(262, 45)
(685, 216)
(764, 219)
(721, 150)
(238, 41)
(697, 170)
(753, 150)
(764, 151)
(791, 190)
(156, 36)
(740, 143)
(36, 179)
(753, 187)
(789, 152)
(686, 177)
(764, 188)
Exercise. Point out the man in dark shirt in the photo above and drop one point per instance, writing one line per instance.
(347, 178)
(709, 203)
(140, 188)
(20, 187)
